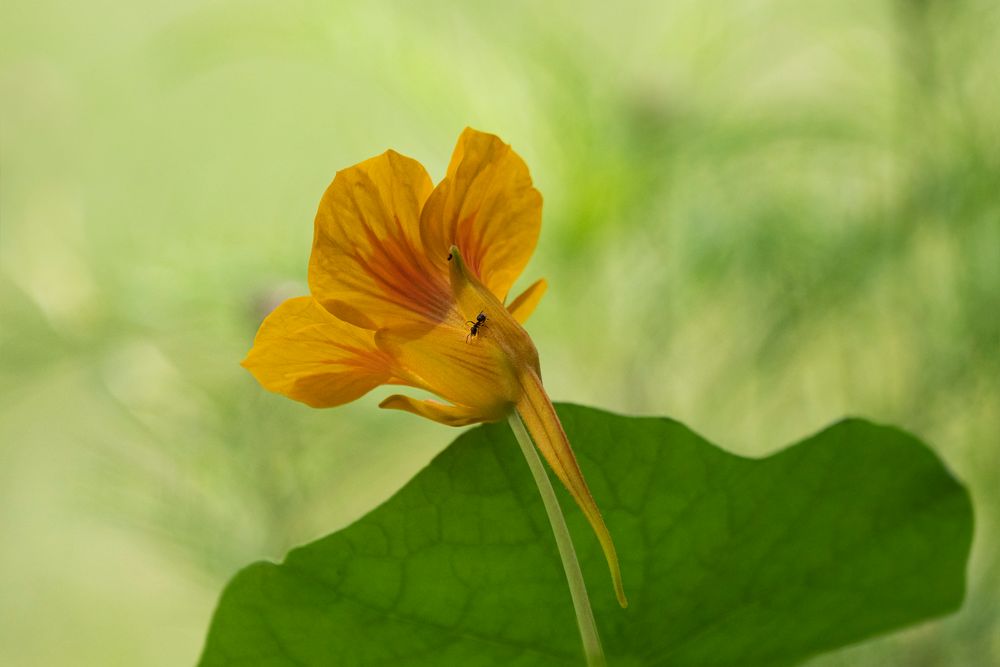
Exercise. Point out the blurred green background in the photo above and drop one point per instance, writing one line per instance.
(759, 217)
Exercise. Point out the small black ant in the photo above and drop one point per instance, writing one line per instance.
(479, 323)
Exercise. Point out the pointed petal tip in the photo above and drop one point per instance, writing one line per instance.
(449, 415)
(524, 305)
(470, 131)
(393, 402)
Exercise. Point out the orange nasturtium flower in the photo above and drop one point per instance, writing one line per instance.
(399, 268)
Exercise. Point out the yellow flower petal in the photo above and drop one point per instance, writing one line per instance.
(449, 415)
(543, 424)
(486, 206)
(524, 305)
(477, 373)
(447, 361)
(473, 297)
(305, 353)
(368, 264)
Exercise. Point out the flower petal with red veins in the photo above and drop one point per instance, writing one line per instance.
(368, 264)
(487, 206)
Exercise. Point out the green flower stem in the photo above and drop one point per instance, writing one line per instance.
(577, 588)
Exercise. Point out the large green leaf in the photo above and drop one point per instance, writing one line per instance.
(855, 531)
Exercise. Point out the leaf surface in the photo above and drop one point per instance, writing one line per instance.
(855, 531)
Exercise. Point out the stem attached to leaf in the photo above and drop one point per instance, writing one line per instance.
(577, 588)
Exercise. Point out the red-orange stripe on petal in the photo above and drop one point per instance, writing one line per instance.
(368, 264)
(487, 206)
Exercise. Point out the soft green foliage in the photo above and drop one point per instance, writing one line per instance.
(728, 561)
